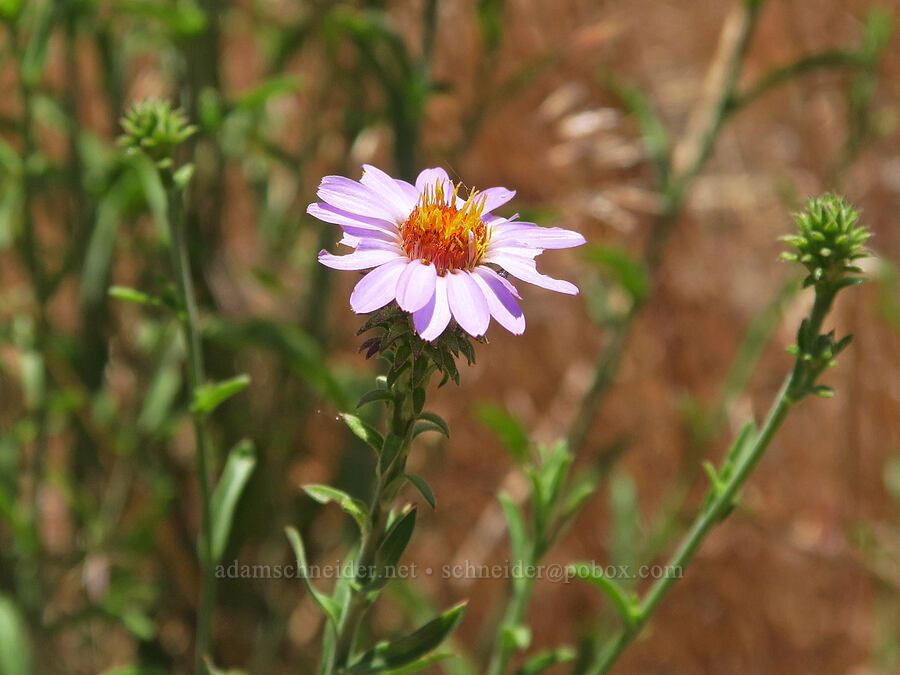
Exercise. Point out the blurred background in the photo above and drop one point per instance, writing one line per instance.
(599, 115)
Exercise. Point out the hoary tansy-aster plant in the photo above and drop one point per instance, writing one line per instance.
(436, 263)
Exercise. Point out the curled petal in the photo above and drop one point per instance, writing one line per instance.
(467, 303)
(416, 286)
(529, 234)
(362, 258)
(500, 300)
(526, 270)
(377, 288)
(495, 197)
(432, 319)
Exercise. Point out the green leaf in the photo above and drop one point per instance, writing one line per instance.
(595, 575)
(891, 477)
(16, 656)
(375, 395)
(389, 451)
(653, 131)
(182, 18)
(546, 659)
(628, 272)
(409, 648)
(208, 397)
(423, 487)
(517, 636)
(518, 533)
(363, 431)
(134, 295)
(238, 468)
(328, 604)
(298, 350)
(437, 421)
(422, 427)
(419, 665)
(278, 85)
(353, 507)
(392, 547)
(508, 428)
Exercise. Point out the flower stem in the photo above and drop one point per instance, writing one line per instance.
(795, 386)
(386, 486)
(190, 327)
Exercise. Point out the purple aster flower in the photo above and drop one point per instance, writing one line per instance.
(438, 255)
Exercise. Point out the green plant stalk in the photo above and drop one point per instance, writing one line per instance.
(515, 614)
(792, 390)
(191, 330)
(386, 488)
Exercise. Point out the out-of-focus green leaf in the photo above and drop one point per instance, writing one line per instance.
(297, 348)
(546, 659)
(208, 397)
(99, 253)
(407, 649)
(181, 17)
(328, 604)
(16, 657)
(33, 379)
(623, 498)
(509, 429)
(892, 477)
(39, 16)
(238, 468)
(518, 532)
(134, 295)
(653, 131)
(627, 271)
(256, 97)
(10, 213)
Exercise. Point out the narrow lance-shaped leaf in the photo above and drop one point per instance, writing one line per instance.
(208, 397)
(392, 546)
(546, 659)
(590, 572)
(363, 431)
(328, 604)
(422, 487)
(353, 507)
(238, 468)
(405, 650)
(508, 429)
(16, 656)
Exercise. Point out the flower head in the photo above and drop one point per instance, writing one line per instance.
(439, 255)
(154, 127)
(829, 241)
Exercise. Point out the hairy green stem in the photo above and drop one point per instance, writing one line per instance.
(793, 388)
(196, 377)
(386, 486)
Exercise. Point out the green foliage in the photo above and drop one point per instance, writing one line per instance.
(409, 648)
(238, 468)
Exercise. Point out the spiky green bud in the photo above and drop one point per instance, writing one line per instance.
(829, 241)
(153, 127)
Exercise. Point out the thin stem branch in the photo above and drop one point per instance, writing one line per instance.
(196, 377)
(795, 386)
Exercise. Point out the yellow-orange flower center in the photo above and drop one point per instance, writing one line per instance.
(448, 236)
